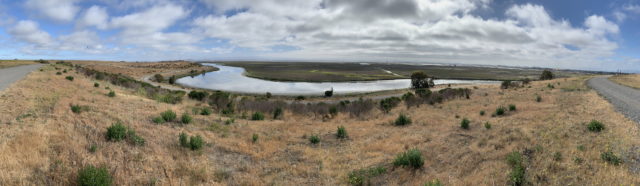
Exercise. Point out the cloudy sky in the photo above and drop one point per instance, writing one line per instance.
(579, 34)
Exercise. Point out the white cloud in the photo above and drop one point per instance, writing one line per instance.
(29, 32)
(632, 8)
(154, 19)
(95, 16)
(599, 25)
(57, 10)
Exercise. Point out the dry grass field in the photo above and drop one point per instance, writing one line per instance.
(631, 80)
(13, 63)
(43, 142)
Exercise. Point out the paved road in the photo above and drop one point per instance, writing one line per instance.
(13, 74)
(625, 99)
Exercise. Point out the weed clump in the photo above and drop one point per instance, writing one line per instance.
(111, 94)
(96, 85)
(118, 132)
(206, 111)
(254, 138)
(257, 116)
(402, 120)
(277, 113)
(198, 95)
(516, 177)
(538, 98)
(611, 158)
(168, 115)
(186, 118)
(389, 103)
(433, 183)
(464, 124)
(499, 111)
(595, 126)
(411, 158)
(482, 113)
(314, 139)
(158, 120)
(93, 176)
(342, 133)
(70, 78)
(77, 109)
(362, 176)
(512, 107)
(193, 142)
(487, 125)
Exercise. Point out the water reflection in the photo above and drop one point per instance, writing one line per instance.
(231, 79)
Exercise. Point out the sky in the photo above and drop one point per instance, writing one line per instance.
(569, 34)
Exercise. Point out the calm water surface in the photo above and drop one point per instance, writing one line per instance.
(231, 79)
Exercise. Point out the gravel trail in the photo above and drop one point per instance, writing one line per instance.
(625, 99)
(10, 75)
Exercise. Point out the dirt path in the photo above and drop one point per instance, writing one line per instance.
(10, 75)
(625, 99)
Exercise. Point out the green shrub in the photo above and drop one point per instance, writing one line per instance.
(300, 98)
(158, 78)
(172, 80)
(402, 120)
(58, 73)
(198, 95)
(206, 111)
(96, 85)
(411, 158)
(487, 125)
(93, 148)
(257, 116)
(229, 121)
(314, 139)
(516, 177)
(389, 103)
(499, 111)
(135, 139)
(92, 176)
(184, 140)
(158, 120)
(512, 107)
(482, 113)
(464, 124)
(557, 156)
(76, 109)
(254, 138)
(116, 132)
(168, 115)
(112, 94)
(362, 176)
(277, 113)
(342, 132)
(186, 118)
(546, 75)
(70, 78)
(268, 95)
(595, 126)
(538, 98)
(610, 158)
(514, 158)
(64, 71)
(196, 142)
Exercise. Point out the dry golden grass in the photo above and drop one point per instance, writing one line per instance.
(43, 142)
(142, 69)
(13, 63)
(631, 80)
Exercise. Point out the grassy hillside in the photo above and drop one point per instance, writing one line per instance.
(44, 142)
(13, 63)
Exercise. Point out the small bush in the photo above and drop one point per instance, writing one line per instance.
(168, 115)
(402, 120)
(254, 138)
(257, 116)
(411, 158)
(342, 132)
(158, 78)
(64, 71)
(206, 111)
(389, 103)
(610, 158)
(158, 120)
(186, 118)
(229, 121)
(538, 98)
(516, 177)
(183, 139)
(198, 95)
(499, 111)
(314, 139)
(277, 113)
(70, 78)
(172, 80)
(482, 113)
(300, 98)
(362, 176)
(96, 85)
(76, 109)
(93, 148)
(268, 95)
(464, 124)
(557, 156)
(116, 132)
(111, 94)
(93, 176)
(514, 158)
(512, 107)
(135, 139)
(487, 125)
(433, 183)
(58, 73)
(595, 126)
(546, 75)
(196, 142)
